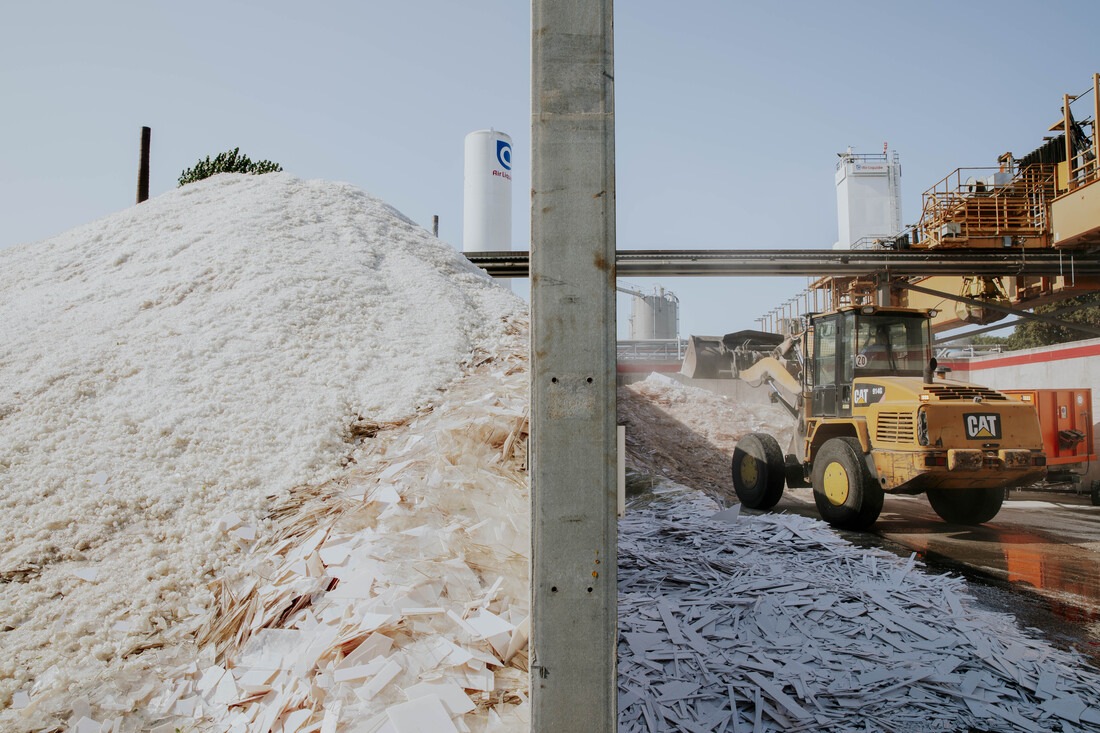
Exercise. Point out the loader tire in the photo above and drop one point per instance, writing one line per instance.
(758, 471)
(845, 490)
(966, 506)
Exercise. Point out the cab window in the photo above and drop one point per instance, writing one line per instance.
(825, 341)
(890, 345)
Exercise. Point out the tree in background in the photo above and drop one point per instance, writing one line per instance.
(228, 162)
(1084, 309)
(985, 339)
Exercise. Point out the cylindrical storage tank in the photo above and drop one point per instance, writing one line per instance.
(487, 192)
(654, 317)
(641, 319)
(665, 316)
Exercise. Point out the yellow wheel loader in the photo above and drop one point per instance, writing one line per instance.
(872, 418)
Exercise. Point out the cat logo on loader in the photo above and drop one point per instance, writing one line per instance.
(983, 426)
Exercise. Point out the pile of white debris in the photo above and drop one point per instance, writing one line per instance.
(174, 376)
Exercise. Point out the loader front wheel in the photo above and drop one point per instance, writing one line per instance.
(966, 506)
(758, 471)
(845, 490)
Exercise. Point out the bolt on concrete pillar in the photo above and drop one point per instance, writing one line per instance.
(573, 445)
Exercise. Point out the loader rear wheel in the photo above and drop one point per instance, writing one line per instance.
(758, 471)
(845, 490)
(966, 506)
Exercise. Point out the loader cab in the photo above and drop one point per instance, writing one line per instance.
(864, 341)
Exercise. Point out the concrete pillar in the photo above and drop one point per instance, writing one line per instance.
(573, 446)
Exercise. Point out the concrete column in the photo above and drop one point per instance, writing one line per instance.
(573, 446)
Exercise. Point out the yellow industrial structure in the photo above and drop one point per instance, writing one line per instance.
(1047, 199)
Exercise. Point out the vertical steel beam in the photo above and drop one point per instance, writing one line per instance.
(1067, 130)
(573, 483)
(1095, 122)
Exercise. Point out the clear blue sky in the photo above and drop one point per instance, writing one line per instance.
(728, 114)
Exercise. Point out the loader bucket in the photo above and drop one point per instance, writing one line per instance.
(706, 358)
(759, 342)
(748, 347)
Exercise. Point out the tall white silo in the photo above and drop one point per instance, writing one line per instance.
(487, 192)
(654, 317)
(868, 198)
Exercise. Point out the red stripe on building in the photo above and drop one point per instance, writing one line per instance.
(1075, 352)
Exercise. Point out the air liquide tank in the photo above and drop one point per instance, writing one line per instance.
(487, 192)
(654, 317)
(868, 199)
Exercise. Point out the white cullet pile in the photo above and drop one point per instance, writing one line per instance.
(179, 363)
(393, 598)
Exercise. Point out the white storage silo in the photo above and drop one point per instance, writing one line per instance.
(654, 317)
(868, 198)
(487, 192)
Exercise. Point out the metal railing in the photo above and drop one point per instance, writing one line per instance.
(651, 350)
(1082, 152)
(990, 207)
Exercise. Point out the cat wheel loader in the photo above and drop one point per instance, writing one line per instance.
(873, 418)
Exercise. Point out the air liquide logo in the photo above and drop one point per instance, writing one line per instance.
(982, 425)
(504, 157)
(504, 154)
